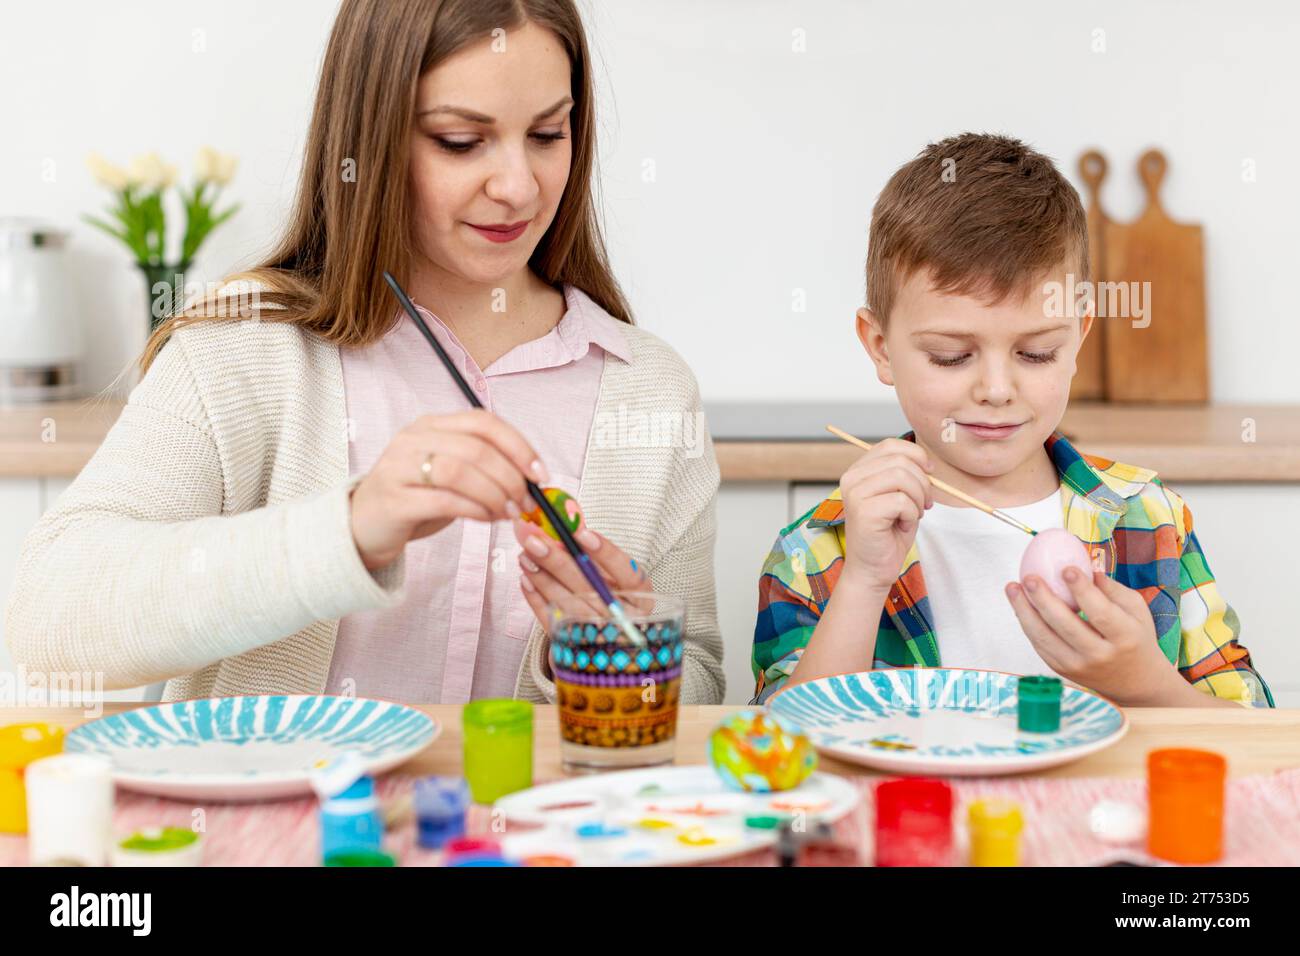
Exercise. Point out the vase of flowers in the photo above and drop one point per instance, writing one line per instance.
(140, 218)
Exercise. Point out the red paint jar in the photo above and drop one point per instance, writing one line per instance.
(914, 823)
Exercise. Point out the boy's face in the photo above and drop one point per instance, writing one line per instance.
(957, 363)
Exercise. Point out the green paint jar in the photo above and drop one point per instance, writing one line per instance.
(359, 857)
(498, 755)
(159, 846)
(1039, 704)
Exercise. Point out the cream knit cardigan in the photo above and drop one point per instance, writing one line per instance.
(208, 541)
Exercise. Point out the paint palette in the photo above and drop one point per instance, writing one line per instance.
(942, 721)
(661, 816)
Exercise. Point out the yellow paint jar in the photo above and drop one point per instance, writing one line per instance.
(20, 744)
(995, 827)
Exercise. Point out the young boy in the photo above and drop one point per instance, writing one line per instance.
(970, 245)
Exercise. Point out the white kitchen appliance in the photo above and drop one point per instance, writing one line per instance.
(41, 340)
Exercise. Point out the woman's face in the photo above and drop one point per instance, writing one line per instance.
(491, 149)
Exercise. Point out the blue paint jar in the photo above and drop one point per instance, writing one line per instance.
(440, 807)
(350, 821)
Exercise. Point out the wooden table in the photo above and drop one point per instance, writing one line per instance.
(1255, 741)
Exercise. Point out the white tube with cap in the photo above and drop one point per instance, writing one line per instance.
(69, 810)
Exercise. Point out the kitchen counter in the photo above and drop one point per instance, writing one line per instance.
(788, 442)
(1212, 443)
(53, 440)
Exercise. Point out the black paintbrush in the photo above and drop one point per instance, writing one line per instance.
(585, 564)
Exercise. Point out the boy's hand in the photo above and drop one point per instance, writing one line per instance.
(1114, 652)
(885, 493)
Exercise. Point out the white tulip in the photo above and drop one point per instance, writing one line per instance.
(205, 164)
(105, 173)
(211, 166)
(148, 171)
(226, 169)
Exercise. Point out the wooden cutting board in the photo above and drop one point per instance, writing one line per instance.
(1156, 352)
(1089, 380)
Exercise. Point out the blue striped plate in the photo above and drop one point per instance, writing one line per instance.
(249, 748)
(942, 721)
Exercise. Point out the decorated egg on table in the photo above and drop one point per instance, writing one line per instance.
(1050, 553)
(757, 752)
(565, 506)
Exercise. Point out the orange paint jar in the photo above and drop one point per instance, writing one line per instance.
(1185, 790)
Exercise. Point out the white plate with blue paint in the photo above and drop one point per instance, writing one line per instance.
(943, 721)
(249, 748)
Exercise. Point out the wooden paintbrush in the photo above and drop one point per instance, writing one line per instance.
(943, 485)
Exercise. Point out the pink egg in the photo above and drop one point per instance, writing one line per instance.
(1051, 552)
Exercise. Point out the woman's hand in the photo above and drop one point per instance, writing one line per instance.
(477, 471)
(550, 575)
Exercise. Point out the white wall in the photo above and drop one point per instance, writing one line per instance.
(766, 165)
(766, 160)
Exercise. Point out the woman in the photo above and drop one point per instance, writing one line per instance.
(300, 500)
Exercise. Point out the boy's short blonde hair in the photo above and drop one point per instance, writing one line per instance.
(986, 215)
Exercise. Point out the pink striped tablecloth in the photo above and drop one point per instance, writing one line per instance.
(1262, 829)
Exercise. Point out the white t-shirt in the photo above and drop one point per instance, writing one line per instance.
(967, 558)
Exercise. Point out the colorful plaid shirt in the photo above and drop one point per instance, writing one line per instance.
(1141, 528)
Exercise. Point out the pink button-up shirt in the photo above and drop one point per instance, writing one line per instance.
(461, 631)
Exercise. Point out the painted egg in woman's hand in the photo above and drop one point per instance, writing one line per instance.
(1050, 553)
(565, 506)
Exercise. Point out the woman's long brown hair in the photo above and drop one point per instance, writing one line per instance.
(344, 231)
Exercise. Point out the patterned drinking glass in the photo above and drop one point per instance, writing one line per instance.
(617, 698)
